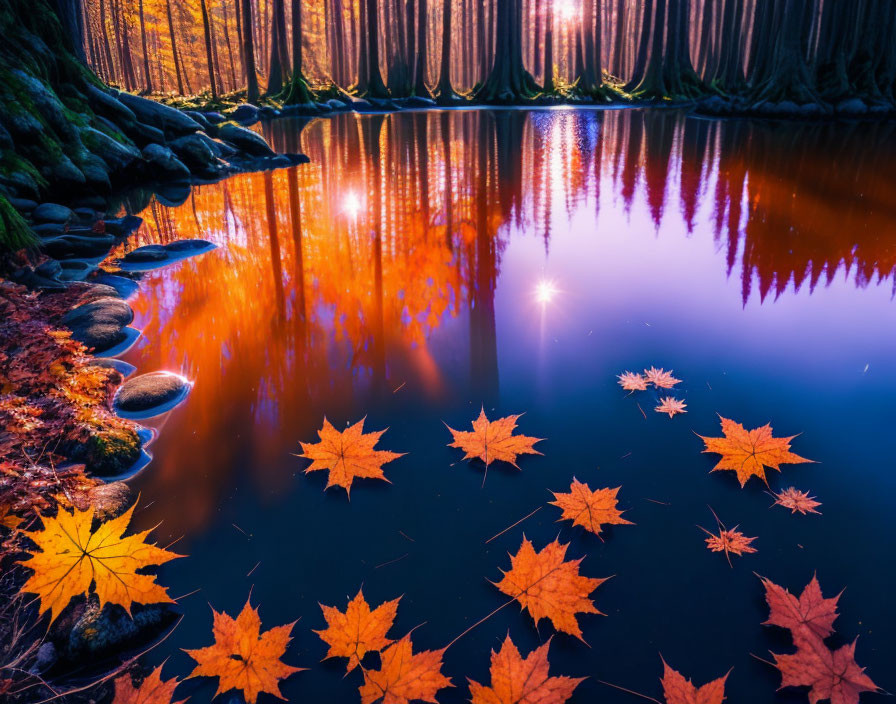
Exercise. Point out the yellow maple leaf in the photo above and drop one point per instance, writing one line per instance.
(493, 440)
(589, 509)
(243, 657)
(359, 630)
(747, 453)
(70, 557)
(405, 675)
(347, 454)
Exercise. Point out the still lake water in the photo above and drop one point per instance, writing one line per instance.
(396, 276)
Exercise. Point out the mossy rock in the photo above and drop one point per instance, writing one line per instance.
(110, 451)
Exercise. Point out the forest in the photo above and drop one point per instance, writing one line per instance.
(813, 53)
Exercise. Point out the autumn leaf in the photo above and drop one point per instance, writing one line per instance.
(518, 680)
(660, 378)
(347, 455)
(632, 382)
(671, 405)
(748, 452)
(730, 541)
(8, 519)
(797, 500)
(831, 674)
(810, 616)
(679, 690)
(69, 557)
(493, 440)
(550, 587)
(243, 657)
(359, 630)
(151, 691)
(589, 509)
(404, 676)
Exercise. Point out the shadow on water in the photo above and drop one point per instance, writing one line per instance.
(394, 276)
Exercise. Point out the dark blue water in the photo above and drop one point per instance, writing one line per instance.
(396, 277)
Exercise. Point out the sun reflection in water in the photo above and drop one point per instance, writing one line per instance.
(545, 291)
(351, 204)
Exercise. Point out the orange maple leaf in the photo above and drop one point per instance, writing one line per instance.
(679, 690)
(809, 617)
(796, 500)
(589, 509)
(243, 657)
(831, 674)
(550, 587)
(518, 680)
(730, 541)
(493, 440)
(632, 382)
(404, 675)
(151, 691)
(660, 378)
(748, 452)
(69, 557)
(347, 454)
(359, 630)
(671, 405)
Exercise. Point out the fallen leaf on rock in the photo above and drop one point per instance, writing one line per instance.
(347, 455)
(493, 440)
(359, 630)
(679, 690)
(748, 452)
(589, 509)
(519, 680)
(671, 405)
(69, 557)
(660, 378)
(151, 691)
(243, 657)
(549, 586)
(404, 675)
(632, 382)
(830, 674)
(810, 616)
(797, 500)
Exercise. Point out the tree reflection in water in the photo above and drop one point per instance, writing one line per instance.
(309, 301)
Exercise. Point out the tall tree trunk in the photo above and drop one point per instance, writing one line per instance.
(444, 91)
(422, 56)
(206, 28)
(147, 76)
(249, 52)
(174, 55)
(278, 46)
(548, 70)
(375, 86)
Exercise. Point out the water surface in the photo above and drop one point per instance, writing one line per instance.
(396, 277)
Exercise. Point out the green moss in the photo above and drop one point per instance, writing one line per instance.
(111, 451)
(14, 231)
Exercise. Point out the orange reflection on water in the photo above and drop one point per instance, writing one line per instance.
(374, 267)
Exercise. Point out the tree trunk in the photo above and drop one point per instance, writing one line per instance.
(420, 88)
(248, 52)
(174, 55)
(444, 91)
(206, 28)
